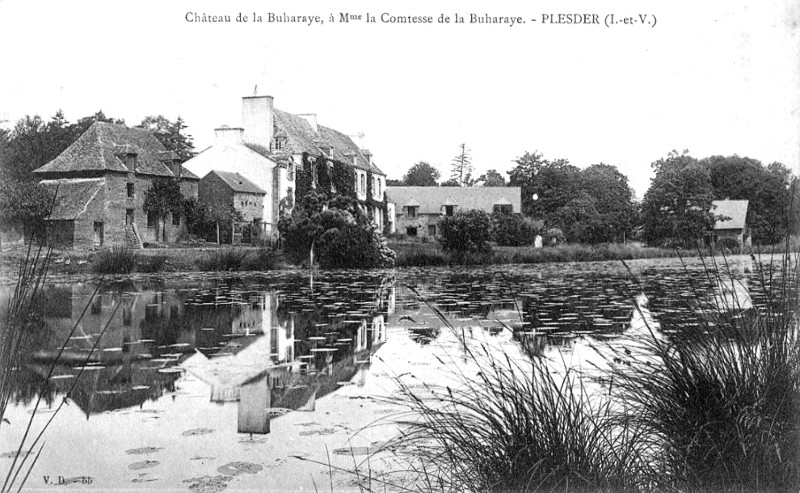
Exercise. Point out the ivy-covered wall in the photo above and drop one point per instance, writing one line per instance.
(333, 178)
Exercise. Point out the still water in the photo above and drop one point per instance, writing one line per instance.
(206, 382)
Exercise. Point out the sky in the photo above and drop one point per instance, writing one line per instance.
(721, 78)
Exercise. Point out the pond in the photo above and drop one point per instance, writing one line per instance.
(204, 382)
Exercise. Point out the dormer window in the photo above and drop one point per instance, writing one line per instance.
(413, 210)
(449, 210)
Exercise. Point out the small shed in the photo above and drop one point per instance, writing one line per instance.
(730, 222)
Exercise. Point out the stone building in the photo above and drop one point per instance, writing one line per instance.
(100, 182)
(419, 209)
(228, 189)
(271, 145)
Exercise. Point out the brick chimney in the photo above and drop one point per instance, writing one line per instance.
(257, 120)
(228, 136)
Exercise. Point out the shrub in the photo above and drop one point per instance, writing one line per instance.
(226, 259)
(353, 246)
(114, 260)
(466, 232)
(513, 229)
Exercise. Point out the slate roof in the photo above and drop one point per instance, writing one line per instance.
(733, 212)
(237, 182)
(301, 137)
(73, 196)
(432, 199)
(97, 149)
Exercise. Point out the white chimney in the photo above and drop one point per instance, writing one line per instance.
(228, 136)
(257, 120)
(311, 118)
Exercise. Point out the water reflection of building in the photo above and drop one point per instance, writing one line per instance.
(227, 333)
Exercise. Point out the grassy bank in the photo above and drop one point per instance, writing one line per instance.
(429, 254)
(420, 254)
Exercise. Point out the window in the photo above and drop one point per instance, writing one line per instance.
(176, 219)
(130, 190)
(432, 229)
(449, 210)
(152, 220)
(411, 231)
(128, 217)
(290, 171)
(412, 211)
(363, 183)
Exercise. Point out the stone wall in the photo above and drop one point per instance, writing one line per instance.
(251, 205)
(421, 222)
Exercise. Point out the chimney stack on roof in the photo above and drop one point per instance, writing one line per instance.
(226, 135)
(257, 120)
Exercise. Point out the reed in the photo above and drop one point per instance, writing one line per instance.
(722, 399)
(114, 260)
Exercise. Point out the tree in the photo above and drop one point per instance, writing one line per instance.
(766, 189)
(391, 182)
(421, 174)
(162, 198)
(676, 207)
(546, 185)
(171, 135)
(24, 206)
(461, 167)
(452, 182)
(613, 200)
(492, 179)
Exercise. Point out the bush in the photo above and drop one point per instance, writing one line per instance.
(466, 232)
(513, 229)
(352, 246)
(114, 260)
(226, 259)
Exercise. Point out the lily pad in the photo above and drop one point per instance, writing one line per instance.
(236, 468)
(143, 450)
(145, 464)
(197, 431)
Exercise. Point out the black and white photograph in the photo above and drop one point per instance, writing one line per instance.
(354, 246)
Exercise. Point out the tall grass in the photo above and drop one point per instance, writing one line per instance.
(722, 401)
(115, 260)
